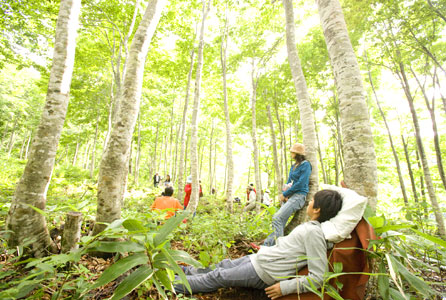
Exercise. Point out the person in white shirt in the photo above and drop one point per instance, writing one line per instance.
(266, 198)
(251, 205)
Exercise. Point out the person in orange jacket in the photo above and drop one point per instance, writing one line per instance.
(167, 203)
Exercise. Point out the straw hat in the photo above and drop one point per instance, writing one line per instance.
(298, 149)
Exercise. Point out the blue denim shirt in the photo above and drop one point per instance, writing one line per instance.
(300, 177)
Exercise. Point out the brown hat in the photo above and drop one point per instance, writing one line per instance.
(298, 148)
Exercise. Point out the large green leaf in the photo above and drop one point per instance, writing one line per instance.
(414, 281)
(177, 269)
(159, 287)
(383, 282)
(119, 268)
(111, 247)
(168, 227)
(393, 227)
(431, 238)
(183, 256)
(162, 276)
(133, 225)
(132, 281)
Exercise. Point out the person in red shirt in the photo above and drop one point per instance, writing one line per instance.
(188, 190)
(167, 203)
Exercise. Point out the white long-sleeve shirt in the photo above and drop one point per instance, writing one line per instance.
(305, 245)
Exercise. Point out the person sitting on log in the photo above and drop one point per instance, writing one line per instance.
(275, 268)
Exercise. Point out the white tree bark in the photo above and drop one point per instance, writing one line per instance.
(304, 103)
(359, 153)
(229, 174)
(275, 155)
(183, 143)
(254, 83)
(23, 221)
(114, 164)
(194, 197)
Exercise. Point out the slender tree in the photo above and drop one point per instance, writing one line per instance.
(229, 169)
(304, 103)
(193, 203)
(114, 164)
(23, 221)
(183, 143)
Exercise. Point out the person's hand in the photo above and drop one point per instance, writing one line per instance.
(281, 198)
(274, 291)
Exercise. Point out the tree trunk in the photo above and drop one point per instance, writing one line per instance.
(276, 159)
(27, 145)
(12, 137)
(427, 175)
(71, 232)
(23, 221)
(93, 150)
(22, 148)
(229, 169)
(359, 153)
(395, 155)
(431, 109)
(409, 168)
(283, 159)
(172, 122)
(73, 163)
(210, 157)
(86, 155)
(175, 165)
(138, 152)
(306, 112)
(114, 163)
(155, 150)
(321, 157)
(194, 197)
(183, 143)
(254, 83)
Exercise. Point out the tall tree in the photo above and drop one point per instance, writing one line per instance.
(359, 153)
(193, 203)
(183, 143)
(229, 174)
(114, 164)
(304, 103)
(23, 221)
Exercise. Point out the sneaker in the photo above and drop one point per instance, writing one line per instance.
(254, 246)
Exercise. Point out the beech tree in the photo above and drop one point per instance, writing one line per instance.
(114, 164)
(360, 173)
(24, 218)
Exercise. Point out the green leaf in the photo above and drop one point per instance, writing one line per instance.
(183, 256)
(111, 247)
(168, 227)
(393, 227)
(383, 282)
(414, 281)
(43, 213)
(430, 238)
(396, 295)
(177, 269)
(377, 222)
(159, 288)
(133, 225)
(337, 267)
(119, 268)
(205, 258)
(132, 281)
(162, 276)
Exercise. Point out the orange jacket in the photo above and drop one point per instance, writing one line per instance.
(168, 204)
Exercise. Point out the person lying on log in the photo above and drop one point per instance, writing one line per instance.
(274, 268)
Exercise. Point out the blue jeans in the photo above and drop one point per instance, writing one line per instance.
(280, 218)
(228, 273)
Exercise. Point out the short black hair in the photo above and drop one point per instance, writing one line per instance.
(168, 191)
(330, 203)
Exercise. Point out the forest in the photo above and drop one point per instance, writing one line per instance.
(106, 107)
